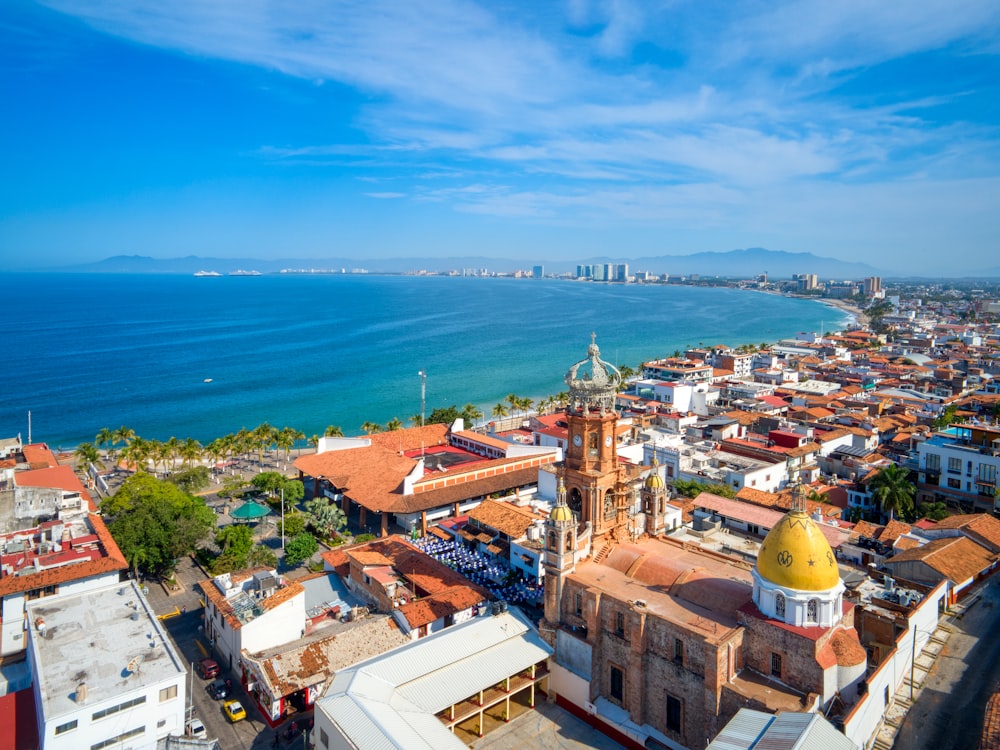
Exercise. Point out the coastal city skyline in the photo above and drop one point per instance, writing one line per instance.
(859, 132)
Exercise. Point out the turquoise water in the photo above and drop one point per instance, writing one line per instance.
(86, 351)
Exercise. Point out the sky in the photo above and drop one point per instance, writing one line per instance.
(557, 130)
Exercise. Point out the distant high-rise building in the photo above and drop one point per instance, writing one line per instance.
(538, 271)
(600, 272)
(584, 272)
(619, 272)
(873, 285)
(806, 281)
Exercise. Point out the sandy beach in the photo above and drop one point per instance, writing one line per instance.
(847, 307)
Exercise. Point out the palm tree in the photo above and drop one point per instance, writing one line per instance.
(263, 437)
(124, 435)
(515, 402)
(500, 411)
(333, 431)
(471, 414)
(190, 452)
(105, 438)
(173, 446)
(370, 428)
(893, 490)
(87, 453)
(159, 453)
(393, 424)
(526, 405)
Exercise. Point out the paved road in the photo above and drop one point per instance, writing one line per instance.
(948, 714)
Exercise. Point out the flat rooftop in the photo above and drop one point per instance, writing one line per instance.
(108, 639)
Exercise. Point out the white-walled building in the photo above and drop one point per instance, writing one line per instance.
(105, 673)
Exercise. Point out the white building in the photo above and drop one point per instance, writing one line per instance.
(961, 464)
(423, 694)
(106, 675)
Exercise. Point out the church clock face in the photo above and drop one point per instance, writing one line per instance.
(607, 441)
(577, 440)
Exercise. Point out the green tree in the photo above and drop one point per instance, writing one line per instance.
(294, 524)
(500, 411)
(87, 453)
(235, 540)
(262, 557)
(232, 486)
(893, 491)
(471, 414)
(443, 415)
(190, 451)
(333, 431)
(326, 517)
(393, 424)
(155, 522)
(104, 439)
(945, 418)
(294, 492)
(269, 482)
(191, 480)
(370, 428)
(300, 548)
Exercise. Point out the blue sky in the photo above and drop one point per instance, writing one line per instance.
(866, 131)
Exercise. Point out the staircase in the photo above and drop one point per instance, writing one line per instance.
(604, 551)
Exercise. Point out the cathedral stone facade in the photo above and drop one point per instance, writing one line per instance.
(662, 641)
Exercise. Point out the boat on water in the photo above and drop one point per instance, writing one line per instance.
(207, 273)
(207, 380)
(241, 272)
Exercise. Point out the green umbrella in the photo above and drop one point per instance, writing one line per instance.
(250, 511)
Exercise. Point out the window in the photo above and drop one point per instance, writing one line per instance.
(161, 723)
(776, 665)
(69, 726)
(617, 684)
(678, 650)
(324, 740)
(954, 466)
(673, 713)
(168, 693)
(579, 603)
(120, 707)
(620, 624)
(933, 462)
(779, 606)
(812, 611)
(120, 738)
(955, 484)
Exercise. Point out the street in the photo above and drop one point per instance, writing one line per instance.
(948, 714)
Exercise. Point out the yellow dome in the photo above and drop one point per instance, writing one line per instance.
(654, 482)
(561, 513)
(796, 555)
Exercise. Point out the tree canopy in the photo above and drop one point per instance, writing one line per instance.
(893, 491)
(155, 522)
(300, 549)
(326, 516)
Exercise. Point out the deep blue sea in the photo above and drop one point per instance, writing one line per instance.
(86, 351)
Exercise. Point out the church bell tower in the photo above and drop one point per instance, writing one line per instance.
(593, 479)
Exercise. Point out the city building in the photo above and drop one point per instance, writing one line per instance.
(439, 692)
(960, 465)
(412, 476)
(106, 673)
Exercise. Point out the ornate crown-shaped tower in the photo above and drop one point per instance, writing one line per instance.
(593, 382)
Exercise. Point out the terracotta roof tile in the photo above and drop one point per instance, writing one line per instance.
(957, 558)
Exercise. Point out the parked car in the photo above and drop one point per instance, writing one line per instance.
(234, 711)
(194, 728)
(208, 668)
(218, 689)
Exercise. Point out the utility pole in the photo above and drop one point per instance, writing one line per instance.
(423, 395)
(282, 520)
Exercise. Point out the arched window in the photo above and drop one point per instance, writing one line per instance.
(552, 540)
(812, 610)
(779, 606)
(569, 540)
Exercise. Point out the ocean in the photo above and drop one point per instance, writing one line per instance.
(180, 356)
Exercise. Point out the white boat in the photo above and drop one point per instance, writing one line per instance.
(241, 272)
(208, 273)
(207, 380)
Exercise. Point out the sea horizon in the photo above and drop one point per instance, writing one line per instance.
(177, 356)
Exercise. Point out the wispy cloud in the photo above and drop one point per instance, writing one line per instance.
(645, 112)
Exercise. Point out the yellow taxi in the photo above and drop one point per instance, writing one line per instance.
(234, 711)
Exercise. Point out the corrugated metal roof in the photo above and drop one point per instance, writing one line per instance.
(756, 730)
(391, 700)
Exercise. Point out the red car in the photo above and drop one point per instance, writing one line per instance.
(208, 668)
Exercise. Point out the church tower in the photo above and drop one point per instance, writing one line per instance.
(654, 499)
(560, 553)
(594, 482)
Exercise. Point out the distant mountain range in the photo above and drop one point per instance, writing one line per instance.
(733, 264)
